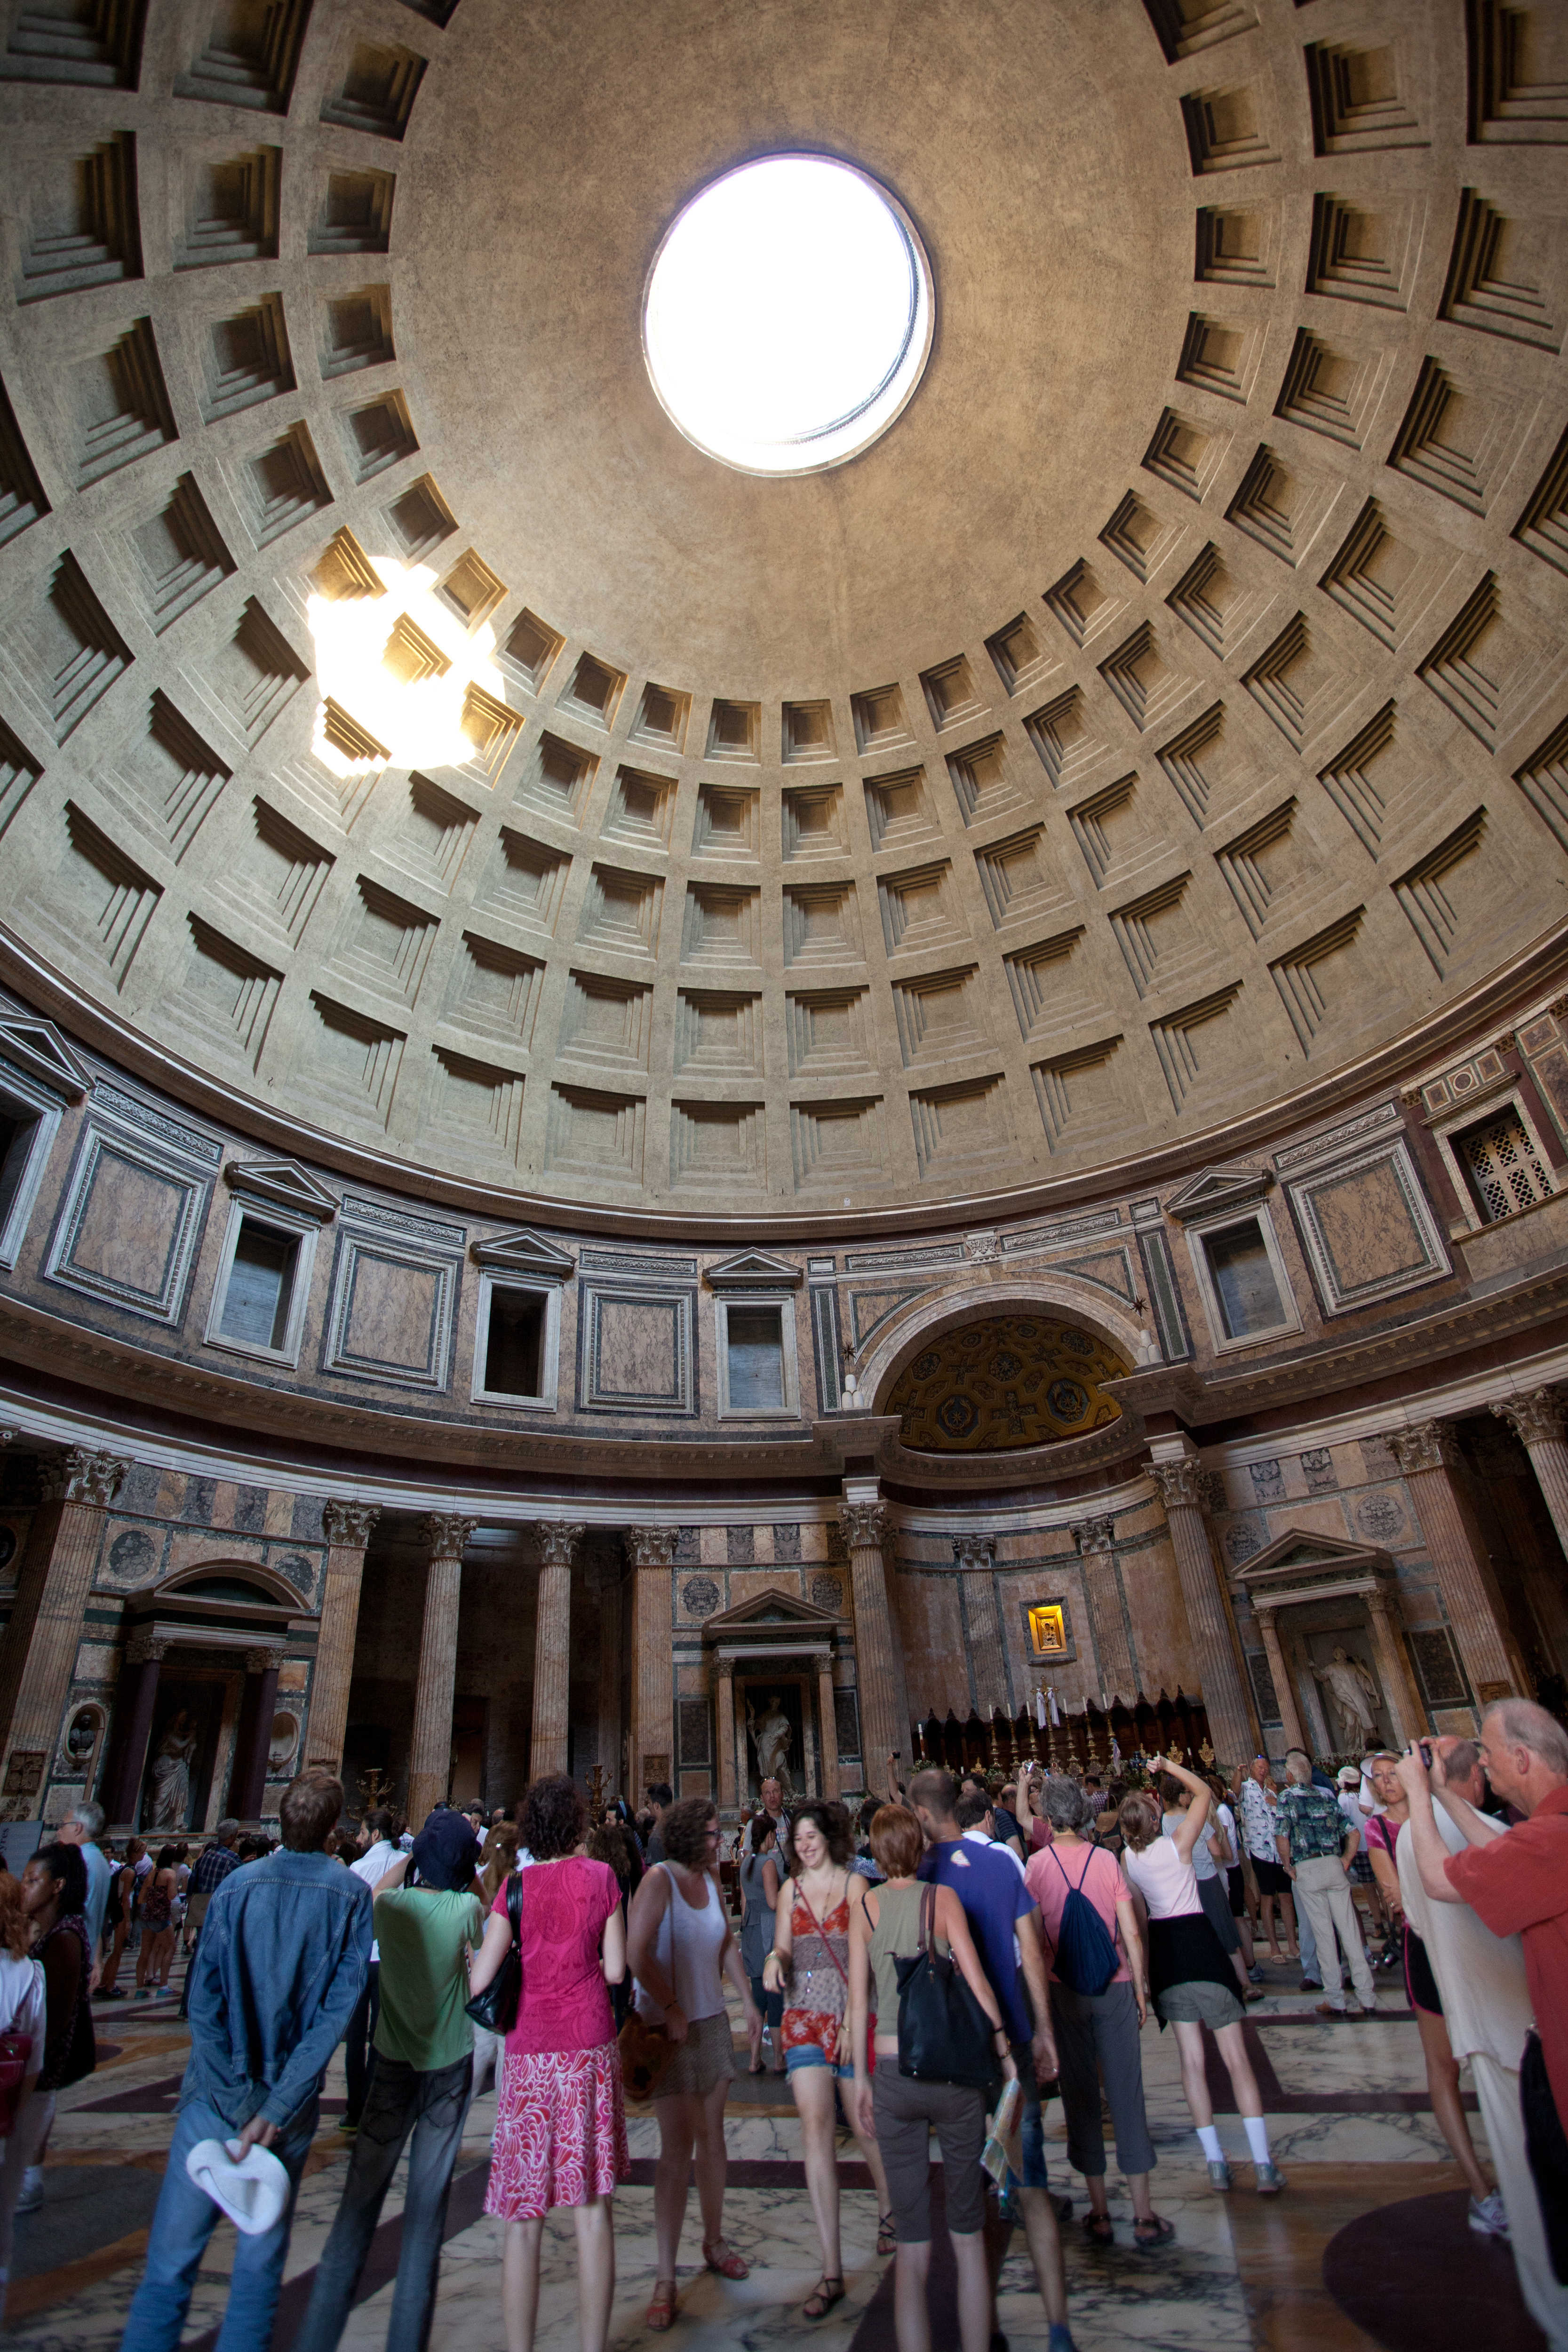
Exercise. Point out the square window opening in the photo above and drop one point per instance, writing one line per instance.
(514, 1351)
(1502, 1165)
(756, 1359)
(1244, 1280)
(260, 1291)
(18, 1130)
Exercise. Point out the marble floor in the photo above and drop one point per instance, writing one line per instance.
(1349, 2120)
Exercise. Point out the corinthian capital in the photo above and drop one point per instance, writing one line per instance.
(142, 1648)
(1429, 1445)
(1095, 1535)
(865, 1525)
(1178, 1482)
(1534, 1417)
(969, 1551)
(348, 1523)
(446, 1535)
(558, 1539)
(80, 1475)
(652, 1547)
(264, 1662)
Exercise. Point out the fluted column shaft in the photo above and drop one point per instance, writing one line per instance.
(829, 1727)
(729, 1796)
(1209, 1620)
(1279, 1674)
(1537, 1420)
(430, 1749)
(1427, 1454)
(253, 1735)
(347, 1528)
(652, 1552)
(1096, 1540)
(39, 1655)
(882, 1734)
(553, 1649)
(974, 1556)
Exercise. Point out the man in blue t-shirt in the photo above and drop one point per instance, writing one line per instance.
(1005, 1924)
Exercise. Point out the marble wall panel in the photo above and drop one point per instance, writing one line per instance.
(636, 1351)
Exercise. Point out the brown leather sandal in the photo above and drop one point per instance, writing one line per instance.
(822, 2298)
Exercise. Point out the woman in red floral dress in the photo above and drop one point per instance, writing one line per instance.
(810, 1963)
(561, 2126)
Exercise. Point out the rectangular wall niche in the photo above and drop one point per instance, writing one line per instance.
(635, 1351)
(134, 1209)
(395, 1296)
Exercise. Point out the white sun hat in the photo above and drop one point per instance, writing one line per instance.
(251, 2188)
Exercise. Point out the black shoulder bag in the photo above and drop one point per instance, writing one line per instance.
(495, 2008)
(944, 2036)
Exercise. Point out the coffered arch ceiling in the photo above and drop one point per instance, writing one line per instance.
(1170, 710)
(1003, 1382)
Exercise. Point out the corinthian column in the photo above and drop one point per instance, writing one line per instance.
(430, 1749)
(40, 1651)
(652, 1553)
(1096, 1541)
(1537, 1419)
(1180, 1487)
(558, 1539)
(347, 1528)
(974, 1556)
(1427, 1455)
(882, 1732)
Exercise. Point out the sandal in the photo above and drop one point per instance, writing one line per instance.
(660, 2313)
(728, 2264)
(822, 2298)
(1154, 2231)
(1097, 2229)
(887, 2234)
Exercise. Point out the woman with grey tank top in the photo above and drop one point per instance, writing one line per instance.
(903, 2112)
(680, 1949)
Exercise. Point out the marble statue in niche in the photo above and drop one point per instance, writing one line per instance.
(771, 1736)
(1356, 1697)
(170, 1801)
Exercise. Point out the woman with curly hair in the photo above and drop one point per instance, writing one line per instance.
(560, 2122)
(681, 1950)
(810, 1961)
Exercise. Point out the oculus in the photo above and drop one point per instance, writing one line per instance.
(788, 315)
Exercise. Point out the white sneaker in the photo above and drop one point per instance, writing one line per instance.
(32, 2195)
(1487, 2217)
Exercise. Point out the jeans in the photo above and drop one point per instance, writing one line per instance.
(359, 2044)
(186, 2218)
(400, 2100)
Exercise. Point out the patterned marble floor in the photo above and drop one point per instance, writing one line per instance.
(1348, 2123)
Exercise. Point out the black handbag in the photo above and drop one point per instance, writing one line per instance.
(944, 2036)
(495, 2008)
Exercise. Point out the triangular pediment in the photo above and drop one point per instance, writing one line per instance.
(525, 1252)
(38, 1048)
(1302, 1553)
(767, 1611)
(286, 1184)
(753, 1270)
(1234, 1186)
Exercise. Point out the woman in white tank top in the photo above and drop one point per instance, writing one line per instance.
(680, 1949)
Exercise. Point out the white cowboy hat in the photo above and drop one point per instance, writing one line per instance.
(251, 2188)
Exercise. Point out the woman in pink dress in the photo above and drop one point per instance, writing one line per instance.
(561, 2126)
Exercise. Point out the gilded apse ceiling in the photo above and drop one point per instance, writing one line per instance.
(405, 729)
(1009, 1381)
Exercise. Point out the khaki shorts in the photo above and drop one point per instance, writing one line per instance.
(705, 2058)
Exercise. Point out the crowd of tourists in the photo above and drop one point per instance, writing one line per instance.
(946, 1963)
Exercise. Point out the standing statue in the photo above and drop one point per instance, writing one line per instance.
(1355, 1696)
(771, 1736)
(170, 1802)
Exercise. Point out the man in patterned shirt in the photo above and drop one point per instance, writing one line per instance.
(212, 1865)
(1317, 1846)
(1257, 1809)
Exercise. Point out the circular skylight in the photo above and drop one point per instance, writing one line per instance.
(788, 315)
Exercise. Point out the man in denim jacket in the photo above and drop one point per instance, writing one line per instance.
(281, 1964)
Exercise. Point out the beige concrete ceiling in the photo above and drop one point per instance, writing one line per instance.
(1167, 714)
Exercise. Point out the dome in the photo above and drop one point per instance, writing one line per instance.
(413, 740)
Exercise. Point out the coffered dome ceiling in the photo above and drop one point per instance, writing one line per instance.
(405, 727)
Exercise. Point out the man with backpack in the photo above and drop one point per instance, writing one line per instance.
(1099, 2002)
(1005, 1924)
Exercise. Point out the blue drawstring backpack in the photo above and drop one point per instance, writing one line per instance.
(1085, 1957)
